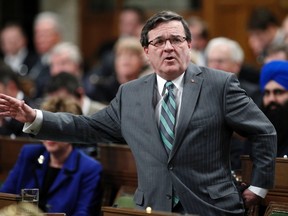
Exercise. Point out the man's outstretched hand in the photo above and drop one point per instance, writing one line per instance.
(17, 109)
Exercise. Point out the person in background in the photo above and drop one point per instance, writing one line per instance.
(285, 28)
(276, 52)
(66, 56)
(263, 31)
(129, 64)
(47, 33)
(68, 180)
(130, 20)
(15, 49)
(227, 55)
(274, 85)
(67, 85)
(178, 123)
(10, 85)
(199, 30)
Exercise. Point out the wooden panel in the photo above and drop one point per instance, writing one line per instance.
(110, 211)
(280, 191)
(7, 199)
(119, 169)
(9, 152)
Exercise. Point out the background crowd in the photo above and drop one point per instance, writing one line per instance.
(56, 67)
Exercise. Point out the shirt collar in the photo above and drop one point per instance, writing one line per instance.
(178, 82)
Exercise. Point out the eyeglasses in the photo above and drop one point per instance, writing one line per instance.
(174, 41)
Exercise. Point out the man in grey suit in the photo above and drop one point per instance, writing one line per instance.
(192, 174)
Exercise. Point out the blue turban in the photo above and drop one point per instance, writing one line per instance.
(274, 70)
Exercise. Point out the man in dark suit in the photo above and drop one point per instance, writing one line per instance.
(182, 157)
(15, 49)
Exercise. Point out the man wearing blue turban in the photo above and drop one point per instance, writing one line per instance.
(274, 86)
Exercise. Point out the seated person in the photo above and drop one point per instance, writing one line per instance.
(10, 84)
(68, 179)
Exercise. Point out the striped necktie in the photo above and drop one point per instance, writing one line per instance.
(167, 123)
(168, 117)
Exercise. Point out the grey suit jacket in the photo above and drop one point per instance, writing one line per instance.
(198, 168)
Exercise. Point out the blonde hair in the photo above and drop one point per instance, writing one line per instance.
(128, 43)
(60, 104)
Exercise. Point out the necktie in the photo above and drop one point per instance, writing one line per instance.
(168, 116)
(167, 123)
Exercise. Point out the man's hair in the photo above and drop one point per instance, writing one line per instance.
(52, 17)
(71, 49)
(237, 54)
(162, 17)
(261, 19)
(65, 81)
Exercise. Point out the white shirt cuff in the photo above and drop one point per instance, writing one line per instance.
(34, 127)
(258, 191)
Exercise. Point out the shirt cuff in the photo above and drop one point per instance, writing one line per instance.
(34, 127)
(258, 191)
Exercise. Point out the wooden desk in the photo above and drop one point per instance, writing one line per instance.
(7, 199)
(280, 192)
(119, 169)
(110, 211)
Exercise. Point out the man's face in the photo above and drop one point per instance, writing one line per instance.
(169, 61)
(12, 41)
(220, 57)
(198, 42)
(274, 95)
(260, 39)
(62, 62)
(45, 36)
(129, 23)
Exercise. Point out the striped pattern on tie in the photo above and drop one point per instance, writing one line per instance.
(168, 116)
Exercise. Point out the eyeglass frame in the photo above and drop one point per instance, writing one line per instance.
(177, 43)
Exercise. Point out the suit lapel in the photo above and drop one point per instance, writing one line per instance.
(191, 90)
(42, 165)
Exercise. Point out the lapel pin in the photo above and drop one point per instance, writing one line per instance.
(192, 80)
(41, 159)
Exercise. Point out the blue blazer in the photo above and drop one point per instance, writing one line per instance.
(75, 190)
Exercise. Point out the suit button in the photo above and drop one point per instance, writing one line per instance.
(171, 167)
(168, 196)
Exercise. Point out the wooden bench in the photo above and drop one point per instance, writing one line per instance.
(280, 192)
(119, 171)
(9, 152)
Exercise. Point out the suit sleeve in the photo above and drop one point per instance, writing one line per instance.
(247, 119)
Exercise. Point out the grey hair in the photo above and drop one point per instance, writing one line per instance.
(237, 54)
(70, 48)
(50, 16)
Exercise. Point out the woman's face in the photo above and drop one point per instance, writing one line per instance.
(56, 147)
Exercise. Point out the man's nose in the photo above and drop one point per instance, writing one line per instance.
(168, 45)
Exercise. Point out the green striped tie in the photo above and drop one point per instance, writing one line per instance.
(167, 123)
(168, 117)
